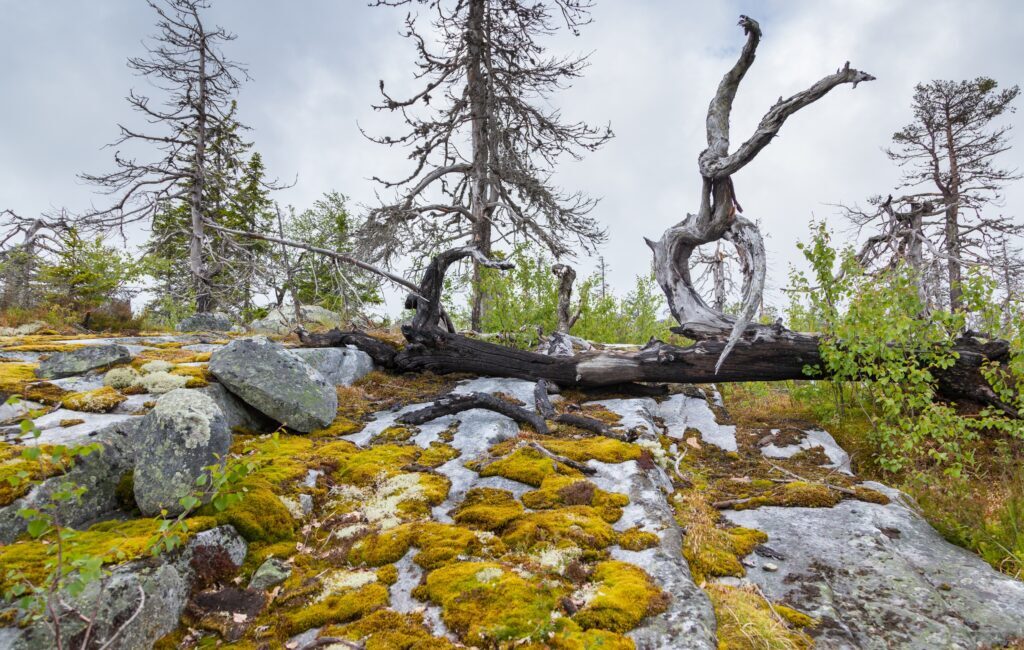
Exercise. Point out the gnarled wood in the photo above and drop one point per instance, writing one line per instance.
(718, 217)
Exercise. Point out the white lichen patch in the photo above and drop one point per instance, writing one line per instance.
(120, 378)
(381, 507)
(161, 382)
(490, 574)
(585, 594)
(156, 366)
(343, 580)
(656, 450)
(189, 412)
(556, 559)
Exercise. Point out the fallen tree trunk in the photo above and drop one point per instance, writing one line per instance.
(768, 354)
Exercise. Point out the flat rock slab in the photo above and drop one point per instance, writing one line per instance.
(77, 362)
(881, 577)
(276, 382)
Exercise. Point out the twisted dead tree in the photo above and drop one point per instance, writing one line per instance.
(719, 215)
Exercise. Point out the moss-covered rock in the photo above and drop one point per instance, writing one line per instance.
(526, 465)
(486, 604)
(488, 509)
(99, 400)
(623, 595)
(558, 490)
(580, 525)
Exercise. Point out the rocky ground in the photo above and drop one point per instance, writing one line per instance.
(357, 531)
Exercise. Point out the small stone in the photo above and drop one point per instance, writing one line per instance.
(271, 573)
(770, 566)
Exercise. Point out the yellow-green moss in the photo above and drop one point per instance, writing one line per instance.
(488, 508)
(169, 355)
(557, 491)
(198, 376)
(363, 466)
(44, 392)
(746, 620)
(388, 574)
(337, 608)
(636, 539)
(258, 517)
(581, 525)
(526, 465)
(386, 629)
(13, 485)
(280, 459)
(869, 495)
(437, 454)
(70, 422)
(394, 434)
(625, 596)
(99, 400)
(113, 541)
(599, 448)
(437, 543)
(14, 376)
(486, 604)
(44, 347)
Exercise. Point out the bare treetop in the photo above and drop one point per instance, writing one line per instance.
(719, 214)
(481, 135)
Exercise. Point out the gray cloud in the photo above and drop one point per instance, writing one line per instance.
(655, 64)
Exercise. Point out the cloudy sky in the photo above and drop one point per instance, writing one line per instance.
(315, 66)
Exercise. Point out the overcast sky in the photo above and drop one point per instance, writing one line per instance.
(315, 65)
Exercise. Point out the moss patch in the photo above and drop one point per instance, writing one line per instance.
(636, 539)
(557, 491)
(599, 448)
(526, 465)
(337, 608)
(18, 474)
(579, 525)
(624, 596)
(100, 400)
(712, 551)
(488, 508)
(487, 605)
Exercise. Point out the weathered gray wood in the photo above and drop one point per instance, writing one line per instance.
(718, 217)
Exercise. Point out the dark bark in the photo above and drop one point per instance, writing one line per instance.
(452, 404)
(764, 354)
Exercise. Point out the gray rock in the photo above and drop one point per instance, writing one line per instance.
(77, 362)
(225, 538)
(23, 330)
(184, 433)
(275, 322)
(689, 621)
(237, 413)
(270, 574)
(111, 602)
(276, 382)
(320, 316)
(339, 366)
(879, 576)
(99, 473)
(205, 322)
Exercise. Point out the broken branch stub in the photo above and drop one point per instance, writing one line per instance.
(718, 217)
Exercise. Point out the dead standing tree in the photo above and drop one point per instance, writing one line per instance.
(758, 353)
(484, 152)
(186, 62)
